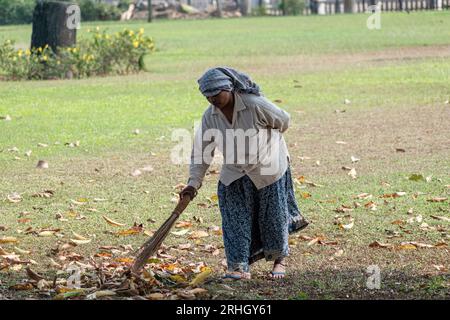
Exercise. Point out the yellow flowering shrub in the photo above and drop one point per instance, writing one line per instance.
(98, 54)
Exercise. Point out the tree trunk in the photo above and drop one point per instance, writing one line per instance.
(283, 7)
(245, 7)
(337, 6)
(55, 24)
(150, 11)
(219, 8)
(348, 6)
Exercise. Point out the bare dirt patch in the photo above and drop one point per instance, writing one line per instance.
(377, 136)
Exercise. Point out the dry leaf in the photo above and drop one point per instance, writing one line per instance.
(183, 224)
(198, 234)
(417, 244)
(175, 199)
(441, 218)
(394, 195)
(313, 241)
(33, 275)
(136, 173)
(14, 197)
(21, 251)
(42, 164)
(100, 294)
(73, 144)
(44, 194)
(184, 246)
(79, 237)
(22, 287)
(198, 291)
(354, 159)
(149, 233)
(198, 219)
(407, 246)
(155, 296)
(363, 196)
(180, 233)
(8, 240)
(53, 263)
(148, 168)
(371, 205)
(80, 242)
(437, 199)
(377, 244)
(136, 229)
(112, 222)
(306, 195)
(352, 173)
(347, 226)
(46, 233)
(343, 208)
(79, 202)
(200, 278)
(440, 267)
(42, 284)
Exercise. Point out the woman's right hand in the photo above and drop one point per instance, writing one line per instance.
(188, 190)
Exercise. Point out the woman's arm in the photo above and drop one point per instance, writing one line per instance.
(271, 115)
(200, 157)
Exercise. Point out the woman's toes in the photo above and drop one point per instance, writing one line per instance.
(278, 271)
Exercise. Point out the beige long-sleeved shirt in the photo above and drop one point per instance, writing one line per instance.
(251, 145)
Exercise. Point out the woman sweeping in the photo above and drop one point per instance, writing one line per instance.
(256, 197)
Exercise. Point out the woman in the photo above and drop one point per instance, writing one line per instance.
(256, 198)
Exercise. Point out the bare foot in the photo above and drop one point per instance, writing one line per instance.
(279, 269)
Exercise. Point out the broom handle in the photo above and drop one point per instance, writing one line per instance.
(143, 253)
(182, 204)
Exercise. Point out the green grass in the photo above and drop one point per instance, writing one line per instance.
(394, 103)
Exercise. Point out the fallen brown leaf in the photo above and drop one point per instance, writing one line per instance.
(377, 244)
(437, 199)
(8, 240)
(42, 164)
(198, 234)
(112, 222)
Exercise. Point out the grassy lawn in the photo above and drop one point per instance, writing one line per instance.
(396, 79)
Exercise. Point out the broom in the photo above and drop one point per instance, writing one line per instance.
(152, 245)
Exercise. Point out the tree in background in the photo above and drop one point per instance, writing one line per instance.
(21, 11)
(292, 7)
(245, 7)
(16, 11)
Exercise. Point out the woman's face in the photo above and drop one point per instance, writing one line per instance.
(221, 99)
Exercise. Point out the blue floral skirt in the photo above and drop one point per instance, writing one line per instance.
(256, 223)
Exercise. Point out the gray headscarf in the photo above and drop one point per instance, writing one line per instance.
(225, 78)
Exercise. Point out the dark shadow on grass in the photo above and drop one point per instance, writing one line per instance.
(337, 284)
